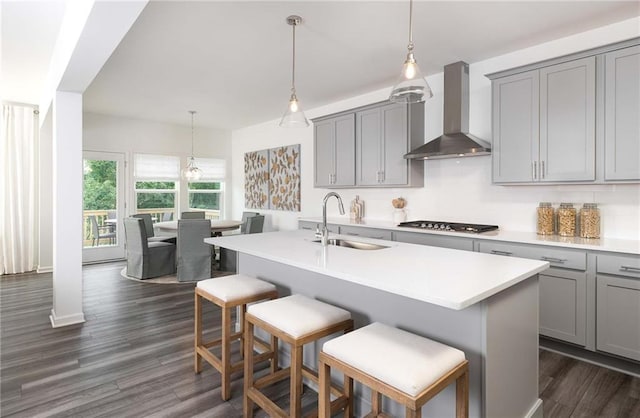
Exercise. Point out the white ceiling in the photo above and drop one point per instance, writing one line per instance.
(231, 61)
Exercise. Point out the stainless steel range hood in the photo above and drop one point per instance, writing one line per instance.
(456, 141)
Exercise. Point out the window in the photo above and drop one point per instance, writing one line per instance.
(156, 179)
(208, 193)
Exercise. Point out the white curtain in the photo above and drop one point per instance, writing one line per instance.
(17, 189)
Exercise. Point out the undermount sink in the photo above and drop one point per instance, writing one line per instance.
(338, 242)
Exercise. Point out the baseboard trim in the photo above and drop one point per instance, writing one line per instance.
(63, 321)
(617, 364)
(44, 269)
(536, 410)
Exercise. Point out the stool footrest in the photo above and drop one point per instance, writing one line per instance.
(265, 403)
(270, 379)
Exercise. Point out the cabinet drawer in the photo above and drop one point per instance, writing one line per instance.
(557, 257)
(434, 240)
(366, 232)
(619, 265)
(311, 226)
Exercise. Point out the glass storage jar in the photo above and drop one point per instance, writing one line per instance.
(545, 219)
(590, 221)
(566, 220)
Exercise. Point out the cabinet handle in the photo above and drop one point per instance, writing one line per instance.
(629, 268)
(377, 176)
(542, 169)
(553, 259)
(497, 252)
(534, 166)
(352, 234)
(382, 176)
(379, 237)
(307, 228)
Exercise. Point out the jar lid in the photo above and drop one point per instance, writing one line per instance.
(590, 205)
(545, 204)
(566, 205)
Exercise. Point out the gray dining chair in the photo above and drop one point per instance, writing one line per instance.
(253, 224)
(245, 216)
(148, 226)
(194, 256)
(146, 259)
(100, 232)
(192, 215)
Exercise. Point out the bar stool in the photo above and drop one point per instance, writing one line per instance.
(228, 293)
(297, 320)
(402, 366)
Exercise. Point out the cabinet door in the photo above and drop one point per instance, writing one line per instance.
(395, 142)
(618, 316)
(324, 138)
(515, 128)
(567, 121)
(359, 231)
(622, 114)
(563, 305)
(345, 151)
(368, 148)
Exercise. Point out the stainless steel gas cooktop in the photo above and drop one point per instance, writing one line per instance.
(448, 226)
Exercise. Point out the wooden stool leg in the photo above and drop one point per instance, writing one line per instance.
(242, 311)
(274, 359)
(226, 354)
(295, 398)
(462, 395)
(197, 360)
(324, 398)
(376, 402)
(348, 392)
(247, 404)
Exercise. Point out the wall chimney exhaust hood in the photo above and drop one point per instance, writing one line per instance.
(456, 141)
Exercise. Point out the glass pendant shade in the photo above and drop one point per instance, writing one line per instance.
(294, 116)
(191, 172)
(411, 86)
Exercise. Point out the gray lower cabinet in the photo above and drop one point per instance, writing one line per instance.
(544, 124)
(563, 307)
(334, 151)
(563, 287)
(618, 305)
(312, 226)
(434, 240)
(622, 110)
(366, 232)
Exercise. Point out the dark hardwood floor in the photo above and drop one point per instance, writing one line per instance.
(133, 357)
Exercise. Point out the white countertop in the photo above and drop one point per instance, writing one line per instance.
(453, 279)
(601, 244)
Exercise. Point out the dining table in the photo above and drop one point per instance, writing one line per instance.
(218, 226)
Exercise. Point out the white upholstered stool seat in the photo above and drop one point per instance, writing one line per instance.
(296, 320)
(406, 367)
(231, 293)
(237, 286)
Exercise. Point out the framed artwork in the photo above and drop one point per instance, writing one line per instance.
(256, 179)
(272, 179)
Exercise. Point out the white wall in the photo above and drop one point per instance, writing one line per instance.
(455, 189)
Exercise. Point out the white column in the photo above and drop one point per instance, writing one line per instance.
(67, 209)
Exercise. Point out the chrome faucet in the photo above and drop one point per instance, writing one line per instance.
(324, 233)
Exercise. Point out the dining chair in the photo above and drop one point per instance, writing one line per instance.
(192, 215)
(167, 216)
(112, 214)
(245, 216)
(147, 259)
(148, 226)
(194, 256)
(254, 224)
(100, 232)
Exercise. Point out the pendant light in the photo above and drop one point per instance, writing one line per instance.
(294, 116)
(411, 87)
(191, 172)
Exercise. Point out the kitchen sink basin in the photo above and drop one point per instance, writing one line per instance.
(338, 242)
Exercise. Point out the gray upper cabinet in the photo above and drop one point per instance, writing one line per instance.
(365, 147)
(622, 114)
(544, 124)
(515, 128)
(334, 151)
(567, 121)
(384, 133)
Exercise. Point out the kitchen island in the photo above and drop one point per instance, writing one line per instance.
(483, 304)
